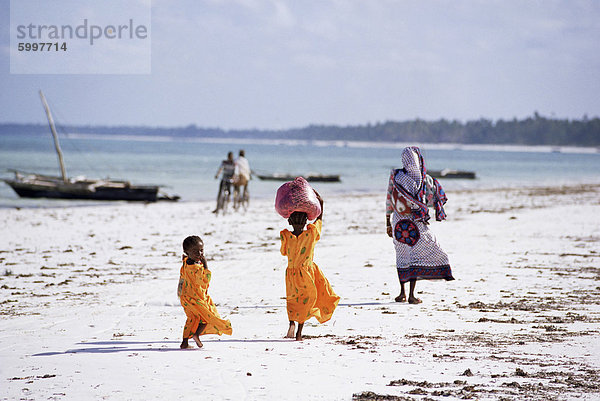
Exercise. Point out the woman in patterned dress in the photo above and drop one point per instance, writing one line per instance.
(418, 254)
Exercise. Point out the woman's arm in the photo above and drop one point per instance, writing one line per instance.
(388, 204)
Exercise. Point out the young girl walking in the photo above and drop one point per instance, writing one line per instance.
(194, 279)
(308, 293)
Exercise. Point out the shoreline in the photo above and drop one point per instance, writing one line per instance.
(583, 185)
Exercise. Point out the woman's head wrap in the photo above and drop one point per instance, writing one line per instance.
(411, 180)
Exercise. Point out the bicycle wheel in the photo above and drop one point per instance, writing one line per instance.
(246, 200)
(223, 200)
(237, 200)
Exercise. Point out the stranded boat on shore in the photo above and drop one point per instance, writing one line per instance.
(447, 173)
(31, 185)
(308, 177)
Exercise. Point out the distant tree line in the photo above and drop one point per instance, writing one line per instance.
(535, 130)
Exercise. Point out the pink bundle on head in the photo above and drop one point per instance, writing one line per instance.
(297, 196)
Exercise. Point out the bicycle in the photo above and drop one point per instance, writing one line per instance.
(241, 199)
(224, 194)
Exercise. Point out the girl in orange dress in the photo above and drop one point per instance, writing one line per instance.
(194, 279)
(308, 293)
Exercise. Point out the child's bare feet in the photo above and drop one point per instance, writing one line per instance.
(414, 300)
(184, 344)
(290, 333)
(197, 340)
(299, 332)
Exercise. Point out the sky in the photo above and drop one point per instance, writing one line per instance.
(277, 64)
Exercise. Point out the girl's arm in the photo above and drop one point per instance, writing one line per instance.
(203, 260)
(321, 202)
(283, 249)
(194, 280)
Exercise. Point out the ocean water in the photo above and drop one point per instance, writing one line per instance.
(187, 167)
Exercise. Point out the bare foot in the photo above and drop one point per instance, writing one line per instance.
(290, 333)
(414, 300)
(184, 344)
(400, 298)
(197, 340)
(299, 332)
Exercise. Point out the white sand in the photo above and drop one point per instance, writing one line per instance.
(89, 307)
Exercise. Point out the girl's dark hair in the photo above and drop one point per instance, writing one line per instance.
(191, 240)
(298, 218)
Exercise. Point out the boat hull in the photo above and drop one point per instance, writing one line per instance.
(310, 178)
(469, 175)
(75, 191)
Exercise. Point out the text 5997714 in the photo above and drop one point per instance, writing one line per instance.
(42, 46)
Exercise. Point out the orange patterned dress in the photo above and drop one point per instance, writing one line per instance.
(197, 304)
(308, 293)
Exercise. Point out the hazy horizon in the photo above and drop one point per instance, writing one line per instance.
(199, 127)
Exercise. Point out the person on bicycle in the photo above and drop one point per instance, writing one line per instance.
(227, 167)
(242, 173)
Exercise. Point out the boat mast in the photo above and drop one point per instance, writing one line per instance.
(55, 136)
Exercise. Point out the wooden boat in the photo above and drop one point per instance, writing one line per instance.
(447, 173)
(28, 185)
(31, 185)
(308, 177)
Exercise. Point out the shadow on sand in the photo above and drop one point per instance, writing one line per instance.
(347, 304)
(108, 347)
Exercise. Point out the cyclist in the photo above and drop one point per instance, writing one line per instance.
(227, 167)
(242, 174)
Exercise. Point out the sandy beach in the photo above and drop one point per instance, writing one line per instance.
(90, 311)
